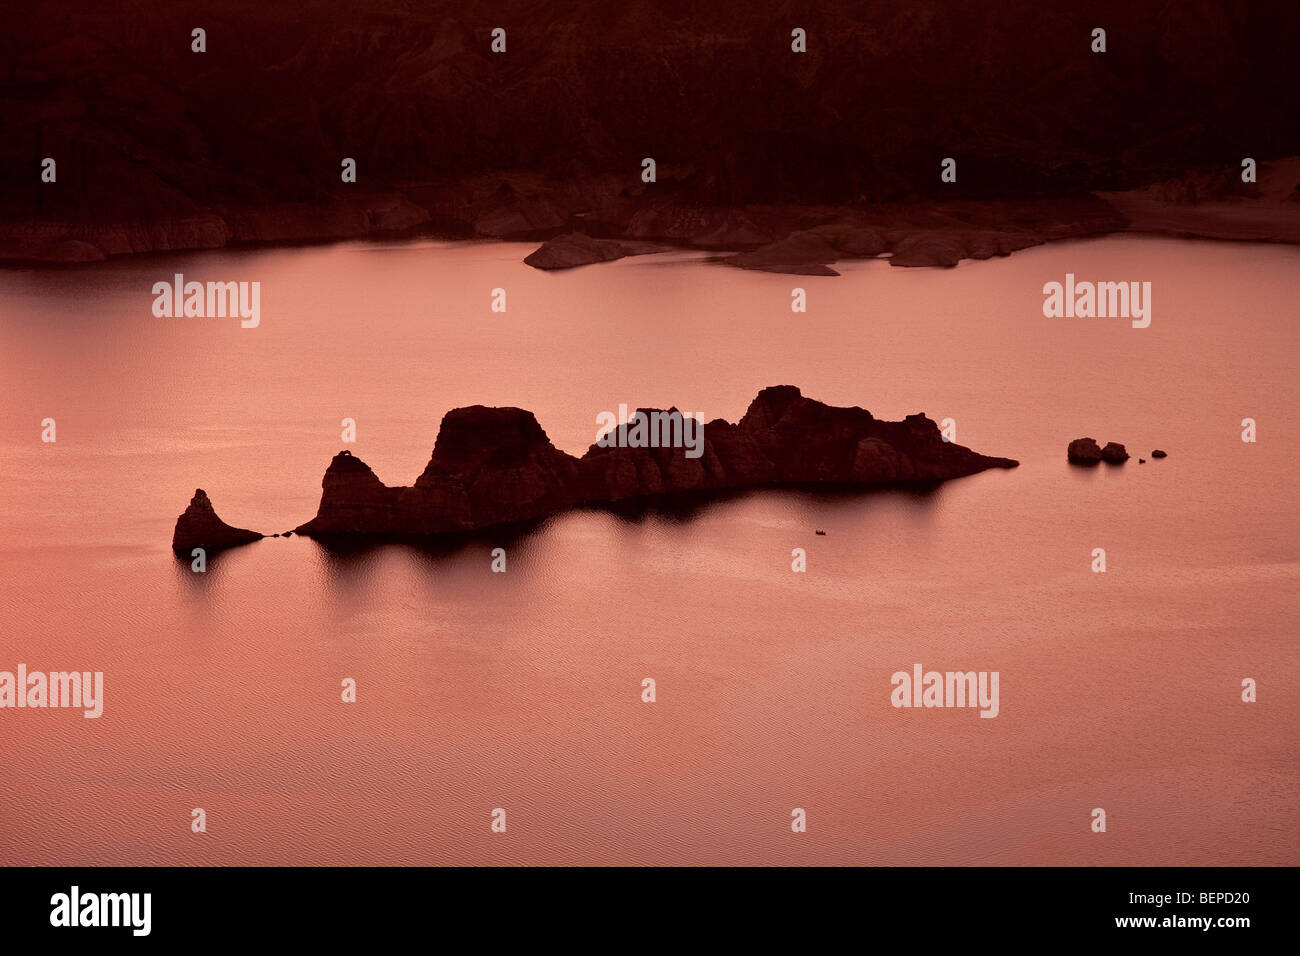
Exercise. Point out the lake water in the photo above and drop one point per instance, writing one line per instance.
(522, 690)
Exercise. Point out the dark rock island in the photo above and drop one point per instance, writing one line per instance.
(496, 466)
(199, 527)
(1083, 451)
(1114, 453)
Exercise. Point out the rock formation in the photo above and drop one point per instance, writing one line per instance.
(1114, 453)
(199, 527)
(493, 466)
(578, 249)
(1083, 451)
(800, 253)
(1159, 454)
(928, 249)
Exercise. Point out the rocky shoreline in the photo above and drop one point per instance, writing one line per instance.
(700, 126)
(495, 466)
(601, 219)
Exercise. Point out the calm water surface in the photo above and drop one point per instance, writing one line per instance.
(522, 690)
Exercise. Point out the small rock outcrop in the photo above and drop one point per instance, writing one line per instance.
(1159, 454)
(199, 527)
(1084, 451)
(578, 249)
(1114, 453)
(800, 253)
(928, 249)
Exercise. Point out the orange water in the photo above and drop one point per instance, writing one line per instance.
(522, 690)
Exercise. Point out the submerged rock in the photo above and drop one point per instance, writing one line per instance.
(1084, 451)
(199, 527)
(1159, 454)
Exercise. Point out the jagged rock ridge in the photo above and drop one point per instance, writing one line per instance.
(493, 466)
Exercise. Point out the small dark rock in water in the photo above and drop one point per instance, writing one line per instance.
(199, 527)
(288, 534)
(574, 249)
(821, 532)
(1142, 461)
(1159, 454)
(1114, 453)
(275, 536)
(1083, 451)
